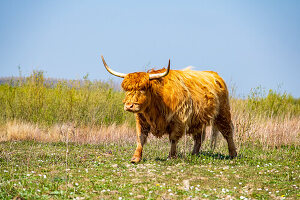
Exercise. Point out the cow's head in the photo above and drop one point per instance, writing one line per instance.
(137, 87)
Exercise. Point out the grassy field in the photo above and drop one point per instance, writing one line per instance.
(73, 140)
(34, 170)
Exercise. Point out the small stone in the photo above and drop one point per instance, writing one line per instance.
(186, 184)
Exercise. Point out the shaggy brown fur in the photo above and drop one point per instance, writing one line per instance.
(184, 101)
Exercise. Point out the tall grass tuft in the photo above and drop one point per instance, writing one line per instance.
(37, 100)
(272, 104)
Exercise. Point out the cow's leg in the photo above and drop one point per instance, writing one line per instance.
(173, 151)
(213, 139)
(174, 137)
(226, 128)
(142, 130)
(198, 140)
(141, 140)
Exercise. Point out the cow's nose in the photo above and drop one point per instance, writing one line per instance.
(129, 106)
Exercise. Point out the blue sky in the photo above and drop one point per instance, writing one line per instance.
(249, 43)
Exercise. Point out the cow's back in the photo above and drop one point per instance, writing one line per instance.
(194, 96)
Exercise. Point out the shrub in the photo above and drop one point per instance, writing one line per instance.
(37, 100)
(272, 104)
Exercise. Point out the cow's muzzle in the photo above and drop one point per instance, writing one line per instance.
(131, 107)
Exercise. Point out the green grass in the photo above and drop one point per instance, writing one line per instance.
(272, 103)
(33, 170)
(82, 102)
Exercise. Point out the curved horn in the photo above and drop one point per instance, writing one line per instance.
(160, 75)
(112, 71)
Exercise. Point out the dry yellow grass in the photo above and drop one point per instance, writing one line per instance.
(271, 132)
(16, 130)
(267, 132)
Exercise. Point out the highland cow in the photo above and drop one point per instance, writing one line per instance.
(175, 103)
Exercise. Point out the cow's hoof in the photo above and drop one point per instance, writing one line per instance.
(135, 160)
(172, 157)
(233, 155)
(194, 153)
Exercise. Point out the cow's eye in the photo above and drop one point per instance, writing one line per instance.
(143, 91)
